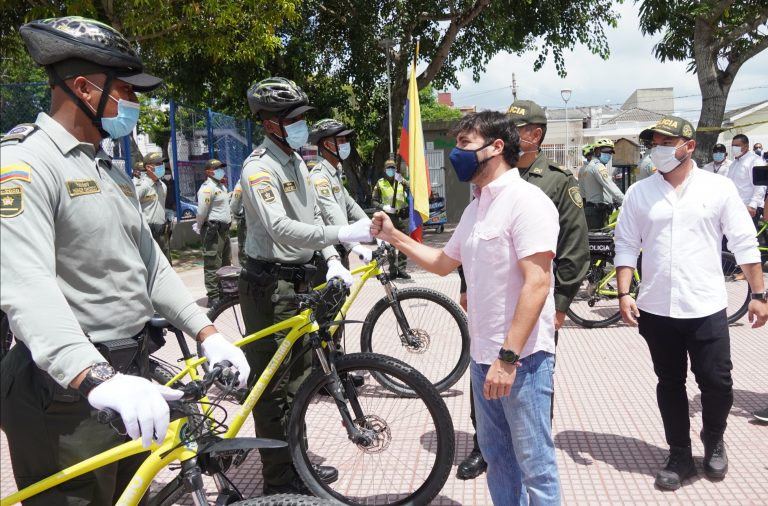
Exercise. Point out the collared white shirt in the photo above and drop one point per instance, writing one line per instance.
(740, 173)
(509, 219)
(721, 169)
(680, 234)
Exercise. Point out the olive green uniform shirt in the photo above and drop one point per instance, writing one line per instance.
(152, 199)
(284, 221)
(334, 201)
(572, 253)
(212, 203)
(598, 186)
(78, 261)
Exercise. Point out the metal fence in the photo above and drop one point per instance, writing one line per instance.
(196, 136)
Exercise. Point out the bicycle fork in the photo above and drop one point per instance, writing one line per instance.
(406, 335)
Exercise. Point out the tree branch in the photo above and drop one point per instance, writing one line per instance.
(735, 64)
(745, 28)
(150, 36)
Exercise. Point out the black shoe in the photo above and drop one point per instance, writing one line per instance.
(472, 467)
(327, 474)
(295, 486)
(715, 458)
(761, 414)
(678, 466)
(404, 275)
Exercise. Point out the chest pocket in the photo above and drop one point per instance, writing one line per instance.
(491, 248)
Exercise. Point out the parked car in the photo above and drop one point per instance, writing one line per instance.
(188, 208)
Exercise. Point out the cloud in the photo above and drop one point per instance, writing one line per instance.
(594, 81)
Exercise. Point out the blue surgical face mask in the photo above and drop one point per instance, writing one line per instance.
(389, 172)
(465, 162)
(605, 158)
(125, 121)
(297, 134)
(718, 157)
(218, 174)
(160, 170)
(345, 150)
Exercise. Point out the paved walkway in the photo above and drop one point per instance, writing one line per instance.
(607, 429)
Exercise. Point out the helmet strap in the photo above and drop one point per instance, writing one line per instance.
(283, 139)
(94, 117)
(335, 153)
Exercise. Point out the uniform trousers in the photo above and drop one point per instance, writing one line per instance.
(217, 253)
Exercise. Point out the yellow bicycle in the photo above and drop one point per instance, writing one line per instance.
(420, 326)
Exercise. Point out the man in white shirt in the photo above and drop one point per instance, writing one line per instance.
(678, 217)
(740, 173)
(720, 163)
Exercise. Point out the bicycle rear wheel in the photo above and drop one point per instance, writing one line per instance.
(430, 334)
(736, 286)
(228, 319)
(596, 304)
(410, 454)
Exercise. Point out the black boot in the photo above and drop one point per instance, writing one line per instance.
(715, 458)
(472, 467)
(678, 466)
(327, 474)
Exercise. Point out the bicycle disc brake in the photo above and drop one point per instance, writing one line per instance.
(417, 341)
(377, 431)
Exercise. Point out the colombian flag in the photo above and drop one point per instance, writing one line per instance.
(412, 152)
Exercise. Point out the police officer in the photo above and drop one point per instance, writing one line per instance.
(284, 230)
(238, 214)
(336, 205)
(391, 196)
(572, 251)
(600, 192)
(80, 270)
(151, 192)
(213, 222)
(646, 167)
(586, 152)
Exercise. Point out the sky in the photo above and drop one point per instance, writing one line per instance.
(595, 81)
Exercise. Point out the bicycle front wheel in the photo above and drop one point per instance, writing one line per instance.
(596, 304)
(424, 329)
(410, 441)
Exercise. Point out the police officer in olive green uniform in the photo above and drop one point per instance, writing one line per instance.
(572, 251)
(236, 208)
(336, 205)
(81, 272)
(151, 192)
(391, 196)
(285, 228)
(600, 192)
(213, 222)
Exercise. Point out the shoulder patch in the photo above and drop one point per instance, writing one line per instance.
(127, 189)
(19, 132)
(259, 178)
(80, 187)
(11, 201)
(323, 188)
(259, 152)
(573, 192)
(536, 170)
(289, 186)
(16, 172)
(266, 193)
(603, 171)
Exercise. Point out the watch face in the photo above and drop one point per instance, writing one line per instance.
(102, 371)
(508, 356)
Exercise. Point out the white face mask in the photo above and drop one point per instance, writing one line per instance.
(344, 150)
(735, 151)
(663, 157)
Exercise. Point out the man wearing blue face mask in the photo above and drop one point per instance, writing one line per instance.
(151, 192)
(600, 192)
(720, 162)
(213, 222)
(81, 274)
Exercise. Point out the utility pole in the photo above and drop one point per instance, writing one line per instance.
(514, 87)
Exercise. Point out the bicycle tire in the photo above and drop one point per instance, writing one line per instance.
(590, 309)
(735, 287)
(285, 500)
(316, 436)
(159, 373)
(440, 346)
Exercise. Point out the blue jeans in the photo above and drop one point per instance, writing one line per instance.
(515, 434)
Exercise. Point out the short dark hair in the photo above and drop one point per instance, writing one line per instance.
(741, 138)
(491, 125)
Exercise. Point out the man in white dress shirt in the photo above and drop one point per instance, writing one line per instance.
(678, 217)
(740, 173)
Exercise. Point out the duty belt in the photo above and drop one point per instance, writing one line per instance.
(599, 206)
(294, 273)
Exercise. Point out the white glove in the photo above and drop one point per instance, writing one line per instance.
(364, 253)
(195, 228)
(142, 405)
(359, 231)
(388, 209)
(398, 177)
(216, 348)
(336, 270)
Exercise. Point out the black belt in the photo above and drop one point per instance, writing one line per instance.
(294, 273)
(598, 206)
(216, 223)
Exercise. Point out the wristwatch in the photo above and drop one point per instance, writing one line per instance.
(508, 356)
(98, 374)
(763, 296)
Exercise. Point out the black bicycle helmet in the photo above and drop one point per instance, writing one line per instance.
(278, 95)
(328, 127)
(74, 45)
